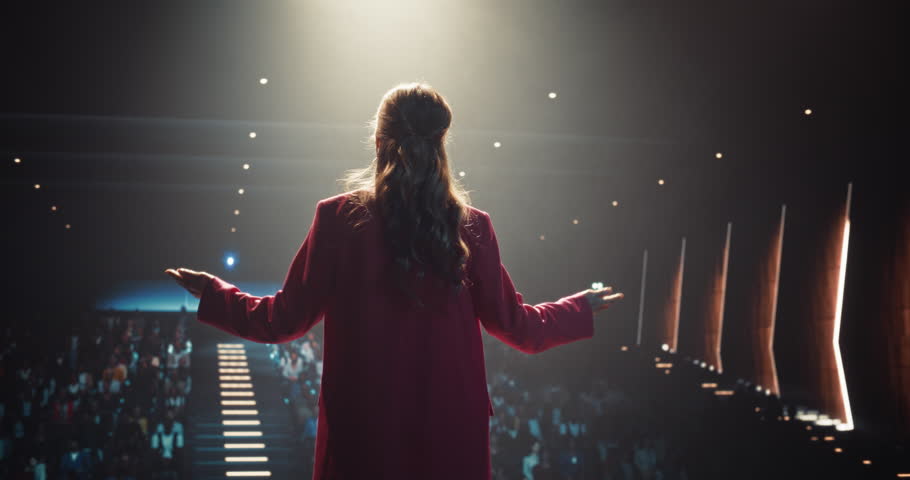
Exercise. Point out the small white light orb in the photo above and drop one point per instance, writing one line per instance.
(597, 285)
(17, 160)
(660, 181)
(575, 221)
(461, 173)
(552, 94)
(37, 186)
(68, 226)
(240, 191)
(542, 237)
(808, 111)
(53, 208)
(496, 144)
(236, 212)
(230, 261)
(719, 155)
(252, 134)
(665, 347)
(233, 229)
(263, 81)
(246, 166)
(615, 203)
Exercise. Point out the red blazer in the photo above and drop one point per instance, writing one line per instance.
(404, 392)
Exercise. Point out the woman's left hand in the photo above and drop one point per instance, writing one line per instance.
(193, 281)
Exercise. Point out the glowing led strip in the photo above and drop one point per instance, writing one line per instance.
(249, 474)
(230, 345)
(231, 357)
(835, 340)
(246, 459)
(232, 364)
(244, 445)
(234, 377)
(240, 412)
(238, 402)
(240, 422)
(236, 394)
(236, 385)
(242, 434)
(233, 370)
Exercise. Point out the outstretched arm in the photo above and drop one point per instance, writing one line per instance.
(291, 312)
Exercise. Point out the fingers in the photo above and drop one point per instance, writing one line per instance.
(615, 296)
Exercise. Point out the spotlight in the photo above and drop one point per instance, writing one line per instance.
(665, 347)
(552, 94)
(37, 186)
(615, 203)
(496, 144)
(236, 212)
(263, 81)
(246, 166)
(660, 181)
(575, 221)
(230, 261)
(53, 208)
(461, 173)
(252, 134)
(719, 155)
(17, 160)
(240, 191)
(808, 111)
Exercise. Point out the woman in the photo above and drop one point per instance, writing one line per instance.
(402, 269)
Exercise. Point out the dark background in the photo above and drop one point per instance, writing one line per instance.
(134, 118)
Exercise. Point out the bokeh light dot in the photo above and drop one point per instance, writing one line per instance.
(660, 181)
(496, 144)
(252, 134)
(615, 203)
(37, 186)
(17, 160)
(236, 212)
(808, 111)
(240, 191)
(263, 81)
(719, 155)
(246, 166)
(552, 94)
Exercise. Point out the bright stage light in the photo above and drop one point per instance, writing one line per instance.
(263, 81)
(808, 111)
(660, 181)
(615, 203)
(249, 474)
(37, 186)
(835, 338)
(665, 347)
(552, 95)
(17, 160)
(496, 144)
(246, 166)
(240, 191)
(461, 173)
(719, 155)
(252, 134)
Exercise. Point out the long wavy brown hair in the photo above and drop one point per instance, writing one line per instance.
(409, 185)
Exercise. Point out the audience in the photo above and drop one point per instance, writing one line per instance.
(105, 400)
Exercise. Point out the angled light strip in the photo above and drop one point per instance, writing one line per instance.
(233, 370)
(240, 412)
(641, 300)
(244, 445)
(780, 253)
(240, 422)
(246, 459)
(230, 345)
(236, 385)
(723, 294)
(236, 394)
(249, 474)
(234, 377)
(232, 364)
(682, 265)
(238, 402)
(242, 434)
(835, 340)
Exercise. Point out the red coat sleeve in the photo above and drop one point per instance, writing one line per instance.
(528, 328)
(292, 311)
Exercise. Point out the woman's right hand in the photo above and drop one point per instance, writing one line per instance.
(602, 298)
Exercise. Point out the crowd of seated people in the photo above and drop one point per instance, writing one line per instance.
(103, 400)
